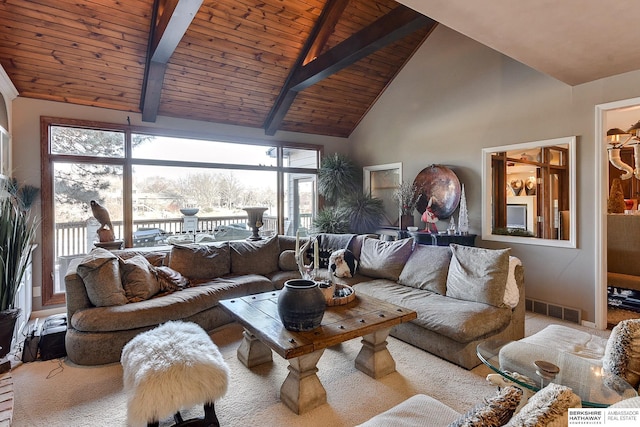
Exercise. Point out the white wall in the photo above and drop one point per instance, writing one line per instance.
(456, 97)
(26, 144)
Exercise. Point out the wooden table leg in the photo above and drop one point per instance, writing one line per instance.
(302, 389)
(374, 358)
(252, 351)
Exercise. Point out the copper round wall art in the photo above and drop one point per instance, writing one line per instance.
(443, 185)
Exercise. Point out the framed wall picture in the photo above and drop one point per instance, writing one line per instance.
(380, 181)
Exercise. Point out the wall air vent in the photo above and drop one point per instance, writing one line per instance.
(570, 314)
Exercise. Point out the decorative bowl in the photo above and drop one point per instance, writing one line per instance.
(343, 294)
(189, 211)
(413, 229)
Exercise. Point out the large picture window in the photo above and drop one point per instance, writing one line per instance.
(147, 179)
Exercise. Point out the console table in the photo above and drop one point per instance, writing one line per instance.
(437, 239)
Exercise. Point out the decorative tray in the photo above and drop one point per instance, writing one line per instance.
(342, 294)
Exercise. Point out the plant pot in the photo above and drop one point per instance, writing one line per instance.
(7, 325)
(301, 305)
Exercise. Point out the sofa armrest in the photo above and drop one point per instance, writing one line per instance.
(76, 293)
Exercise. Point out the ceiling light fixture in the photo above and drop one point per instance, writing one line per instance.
(618, 138)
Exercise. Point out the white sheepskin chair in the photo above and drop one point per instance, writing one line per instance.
(169, 368)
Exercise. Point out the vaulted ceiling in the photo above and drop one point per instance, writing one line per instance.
(313, 66)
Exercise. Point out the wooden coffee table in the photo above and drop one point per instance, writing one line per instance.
(366, 317)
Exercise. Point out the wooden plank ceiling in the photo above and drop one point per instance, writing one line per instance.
(235, 63)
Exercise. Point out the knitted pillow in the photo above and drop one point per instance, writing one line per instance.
(622, 353)
(547, 408)
(478, 274)
(494, 412)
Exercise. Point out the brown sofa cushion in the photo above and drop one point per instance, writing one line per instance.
(478, 274)
(259, 257)
(384, 260)
(100, 273)
(201, 262)
(427, 269)
(138, 278)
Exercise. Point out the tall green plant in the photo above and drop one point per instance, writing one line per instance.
(365, 213)
(338, 177)
(17, 231)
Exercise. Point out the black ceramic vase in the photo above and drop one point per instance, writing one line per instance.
(301, 305)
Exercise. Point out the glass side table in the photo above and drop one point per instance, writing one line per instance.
(527, 366)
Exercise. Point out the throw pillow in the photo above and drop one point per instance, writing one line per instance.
(101, 276)
(342, 263)
(549, 408)
(287, 261)
(170, 280)
(138, 278)
(384, 260)
(494, 412)
(201, 262)
(478, 274)
(258, 257)
(622, 352)
(427, 268)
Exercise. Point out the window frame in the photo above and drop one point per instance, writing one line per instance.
(49, 297)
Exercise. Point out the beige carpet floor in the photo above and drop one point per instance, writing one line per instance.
(59, 393)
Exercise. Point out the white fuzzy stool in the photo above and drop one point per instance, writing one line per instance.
(169, 368)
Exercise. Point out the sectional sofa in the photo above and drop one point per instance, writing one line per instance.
(460, 293)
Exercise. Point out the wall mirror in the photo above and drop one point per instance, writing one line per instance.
(529, 193)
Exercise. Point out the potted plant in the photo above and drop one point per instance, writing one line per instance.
(17, 230)
(351, 210)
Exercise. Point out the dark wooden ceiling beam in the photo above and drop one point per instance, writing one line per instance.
(395, 25)
(315, 42)
(398, 23)
(170, 21)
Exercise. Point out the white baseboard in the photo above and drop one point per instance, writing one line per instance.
(587, 324)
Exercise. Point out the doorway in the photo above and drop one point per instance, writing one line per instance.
(620, 114)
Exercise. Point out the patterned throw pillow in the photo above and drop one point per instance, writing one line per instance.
(622, 353)
(547, 408)
(494, 412)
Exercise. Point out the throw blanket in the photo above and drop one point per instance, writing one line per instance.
(333, 242)
(327, 243)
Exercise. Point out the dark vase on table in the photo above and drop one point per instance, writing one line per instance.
(301, 305)
(406, 221)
